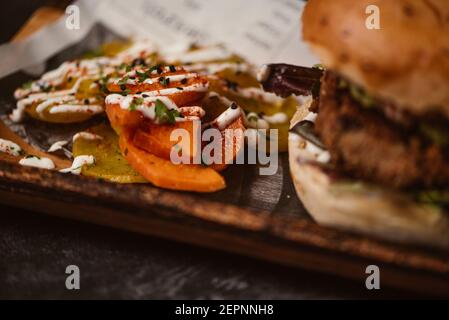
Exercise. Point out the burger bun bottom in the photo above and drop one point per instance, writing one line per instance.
(357, 207)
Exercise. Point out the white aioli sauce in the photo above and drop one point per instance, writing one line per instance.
(276, 118)
(147, 108)
(322, 156)
(217, 67)
(263, 73)
(33, 161)
(311, 116)
(252, 120)
(77, 108)
(57, 146)
(10, 147)
(193, 111)
(199, 87)
(258, 94)
(171, 78)
(56, 96)
(87, 136)
(78, 163)
(81, 69)
(228, 116)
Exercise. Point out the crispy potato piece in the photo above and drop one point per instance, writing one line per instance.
(163, 173)
(66, 117)
(84, 92)
(109, 162)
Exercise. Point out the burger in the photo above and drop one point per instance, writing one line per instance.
(369, 150)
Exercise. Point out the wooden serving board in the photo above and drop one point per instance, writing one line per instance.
(255, 216)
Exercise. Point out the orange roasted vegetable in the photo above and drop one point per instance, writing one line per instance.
(234, 136)
(163, 173)
(155, 138)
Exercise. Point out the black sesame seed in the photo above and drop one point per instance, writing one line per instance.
(145, 95)
(159, 70)
(231, 85)
(172, 68)
(179, 88)
(184, 81)
(161, 79)
(122, 87)
(138, 92)
(86, 101)
(138, 61)
(234, 105)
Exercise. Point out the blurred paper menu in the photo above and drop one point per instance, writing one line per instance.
(260, 30)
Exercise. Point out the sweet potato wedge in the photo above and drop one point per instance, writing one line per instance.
(175, 89)
(123, 118)
(155, 138)
(235, 142)
(163, 173)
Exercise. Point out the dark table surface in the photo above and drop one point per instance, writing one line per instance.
(35, 250)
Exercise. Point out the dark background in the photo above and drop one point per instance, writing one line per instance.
(35, 250)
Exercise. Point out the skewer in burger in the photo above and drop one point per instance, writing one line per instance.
(369, 152)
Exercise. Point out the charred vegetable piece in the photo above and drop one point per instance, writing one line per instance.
(285, 80)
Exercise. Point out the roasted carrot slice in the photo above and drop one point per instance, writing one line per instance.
(163, 173)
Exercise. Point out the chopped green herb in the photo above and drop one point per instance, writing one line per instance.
(438, 135)
(165, 115)
(103, 82)
(136, 102)
(253, 117)
(123, 81)
(98, 52)
(142, 76)
(434, 197)
(357, 93)
(125, 92)
(165, 81)
(154, 68)
(27, 85)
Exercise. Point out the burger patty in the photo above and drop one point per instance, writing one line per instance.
(366, 144)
